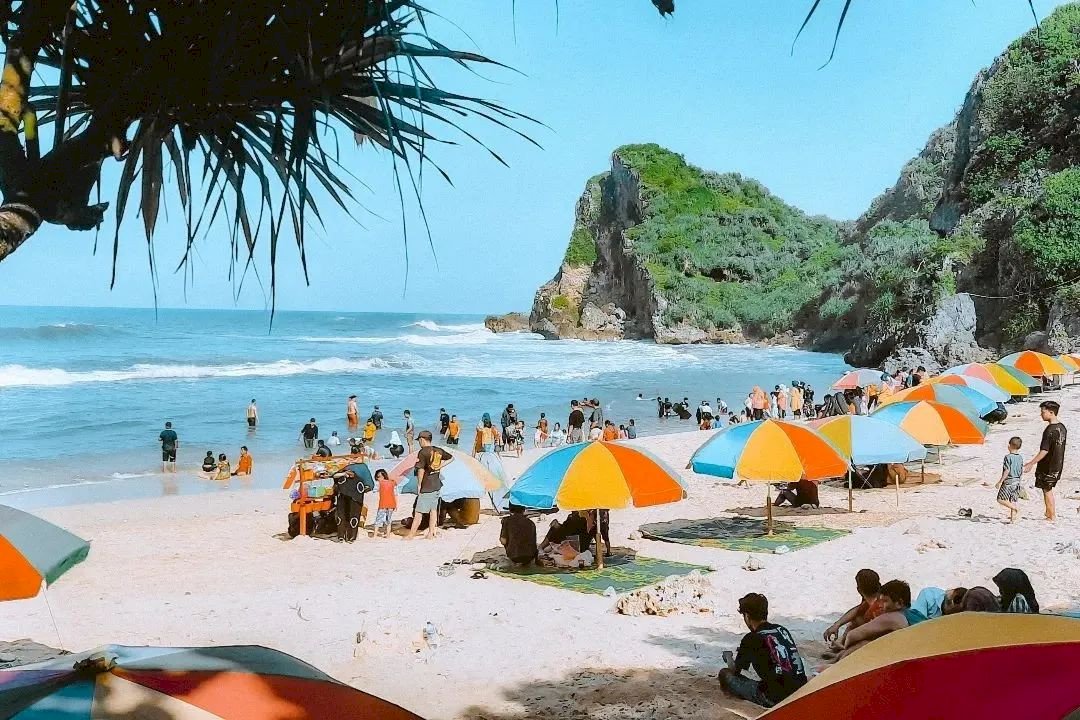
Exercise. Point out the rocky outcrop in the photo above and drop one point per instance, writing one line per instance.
(511, 322)
(1063, 326)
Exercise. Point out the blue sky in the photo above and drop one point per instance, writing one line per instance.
(716, 82)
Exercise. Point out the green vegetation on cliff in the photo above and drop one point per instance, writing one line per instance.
(724, 252)
(582, 249)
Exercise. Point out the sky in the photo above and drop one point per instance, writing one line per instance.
(717, 82)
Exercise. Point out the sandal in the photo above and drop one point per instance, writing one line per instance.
(445, 570)
(478, 575)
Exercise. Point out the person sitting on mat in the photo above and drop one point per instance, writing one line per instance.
(518, 536)
(581, 525)
(803, 492)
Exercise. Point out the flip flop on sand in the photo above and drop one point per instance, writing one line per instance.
(478, 575)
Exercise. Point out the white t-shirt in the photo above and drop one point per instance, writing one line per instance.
(596, 433)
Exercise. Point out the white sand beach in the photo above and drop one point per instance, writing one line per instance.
(211, 569)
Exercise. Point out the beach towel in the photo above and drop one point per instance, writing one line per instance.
(623, 571)
(738, 533)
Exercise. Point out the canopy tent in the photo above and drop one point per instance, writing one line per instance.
(769, 451)
(967, 665)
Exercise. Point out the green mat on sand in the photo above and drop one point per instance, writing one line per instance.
(622, 572)
(738, 533)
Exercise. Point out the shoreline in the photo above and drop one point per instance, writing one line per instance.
(209, 569)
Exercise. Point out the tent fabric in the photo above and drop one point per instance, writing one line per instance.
(965, 665)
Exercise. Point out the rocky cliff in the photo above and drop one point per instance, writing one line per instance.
(975, 249)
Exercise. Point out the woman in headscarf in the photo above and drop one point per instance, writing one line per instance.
(487, 435)
(1017, 595)
(979, 599)
(396, 448)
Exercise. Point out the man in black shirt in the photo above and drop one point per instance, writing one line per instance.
(309, 432)
(770, 650)
(169, 443)
(575, 423)
(1050, 459)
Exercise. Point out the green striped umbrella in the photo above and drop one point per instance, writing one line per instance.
(33, 550)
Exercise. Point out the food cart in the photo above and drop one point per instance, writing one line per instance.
(314, 481)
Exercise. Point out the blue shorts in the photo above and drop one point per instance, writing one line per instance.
(384, 518)
(427, 502)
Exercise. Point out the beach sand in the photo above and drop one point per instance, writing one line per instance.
(212, 569)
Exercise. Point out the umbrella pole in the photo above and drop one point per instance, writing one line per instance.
(599, 548)
(768, 506)
(850, 480)
(922, 472)
(897, 491)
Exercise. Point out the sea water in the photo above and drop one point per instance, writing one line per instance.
(84, 392)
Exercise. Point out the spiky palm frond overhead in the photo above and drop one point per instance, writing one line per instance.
(237, 96)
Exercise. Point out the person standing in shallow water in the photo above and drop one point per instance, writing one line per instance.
(169, 446)
(252, 415)
(352, 413)
(1050, 459)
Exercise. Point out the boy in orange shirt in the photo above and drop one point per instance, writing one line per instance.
(384, 518)
(610, 431)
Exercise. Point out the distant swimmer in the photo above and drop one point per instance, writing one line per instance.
(252, 414)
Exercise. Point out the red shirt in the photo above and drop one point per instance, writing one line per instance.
(387, 496)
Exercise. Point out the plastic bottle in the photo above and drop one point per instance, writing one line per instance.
(431, 635)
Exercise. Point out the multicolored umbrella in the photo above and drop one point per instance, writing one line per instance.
(1034, 363)
(976, 370)
(934, 423)
(33, 551)
(769, 451)
(465, 477)
(870, 441)
(968, 665)
(597, 476)
(990, 390)
(1012, 380)
(1069, 362)
(960, 397)
(224, 683)
(863, 377)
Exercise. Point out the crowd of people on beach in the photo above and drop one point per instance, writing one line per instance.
(882, 608)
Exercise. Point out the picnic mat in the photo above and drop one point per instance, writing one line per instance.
(738, 533)
(622, 571)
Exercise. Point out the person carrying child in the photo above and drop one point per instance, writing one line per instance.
(1010, 485)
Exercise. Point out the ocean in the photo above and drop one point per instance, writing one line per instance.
(84, 392)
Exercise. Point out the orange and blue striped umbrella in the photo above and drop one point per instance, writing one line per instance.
(869, 441)
(211, 683)
(934, 423)
(960, 397)
(769, 451)
(968, 665)
(597, 475)
(1069, 362)
(1034, 363)
(33, 551)
(976, 370)
(990, 390)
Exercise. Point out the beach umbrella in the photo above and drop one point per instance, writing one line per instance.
(976, 370)
(862, 377)
(597, 475)
(1011, 380)
(33, 551)
(1069, 362)
(967, 665)
(224, 683)
(934, 423)
(465, 477)
(960, 397)
(1034, 363)
(869, 441)
(769, 451)
(990, 390)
